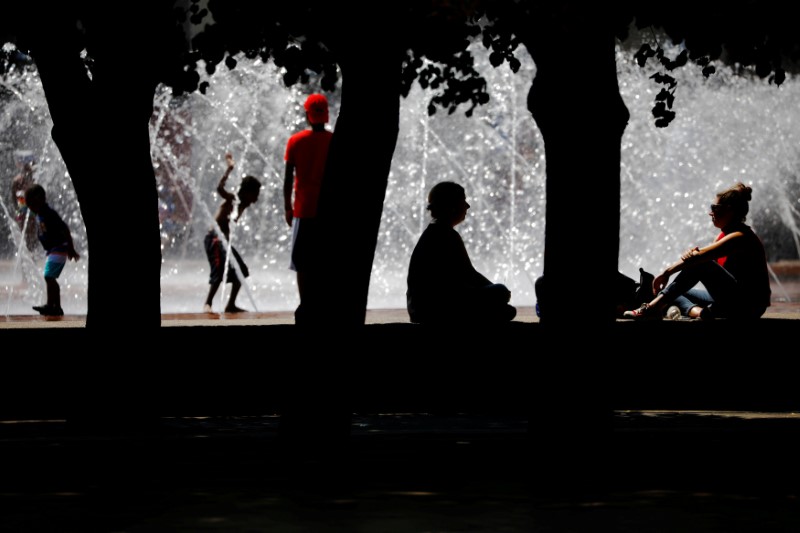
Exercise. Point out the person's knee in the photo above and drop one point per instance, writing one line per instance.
(498, 293)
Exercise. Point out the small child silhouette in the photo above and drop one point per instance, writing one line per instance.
(56, 239)
(215, 247)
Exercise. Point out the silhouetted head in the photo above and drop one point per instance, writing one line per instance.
(447, 202)
(316, 107)
(35, 197)
(248, 190)
(732, 204)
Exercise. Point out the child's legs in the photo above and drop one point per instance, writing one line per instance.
(301, 283)
(216, 262)
(216, 257)
(53, 265)
(295, 230)
(235, 286)
(304, 235)
(53, 292)
(212, 290)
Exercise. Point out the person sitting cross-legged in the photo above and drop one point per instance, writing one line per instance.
(443, 285)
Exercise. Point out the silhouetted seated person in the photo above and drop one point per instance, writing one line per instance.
(443, 286)
(729, 278)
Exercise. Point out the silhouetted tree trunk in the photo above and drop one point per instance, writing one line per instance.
(101, 127)
(126, 188)
(577, 106)
(582, 118)
(357, 172)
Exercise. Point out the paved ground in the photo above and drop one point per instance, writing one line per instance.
(527, 315)
(665, 472)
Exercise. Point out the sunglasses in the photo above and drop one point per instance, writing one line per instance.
(715, 208)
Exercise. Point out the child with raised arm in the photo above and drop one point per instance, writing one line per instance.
(216, 247)
(57, 241)
(19, 184)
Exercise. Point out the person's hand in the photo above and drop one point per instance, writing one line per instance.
(229, 160)
(659, 282)
(690, 253)
(72, 254)
(289, 216)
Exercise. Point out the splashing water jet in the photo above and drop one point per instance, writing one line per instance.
(727, 128)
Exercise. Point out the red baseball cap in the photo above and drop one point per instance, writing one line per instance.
(316, 107)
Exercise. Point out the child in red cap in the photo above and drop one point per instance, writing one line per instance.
(306, 153)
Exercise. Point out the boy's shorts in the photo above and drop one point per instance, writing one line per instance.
(54, 264)
(215, 251)
(304, 233)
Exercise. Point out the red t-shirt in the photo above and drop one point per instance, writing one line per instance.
(721, 260)
(307, 151)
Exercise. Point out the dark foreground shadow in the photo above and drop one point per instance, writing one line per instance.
(405, 473)
(516, 367)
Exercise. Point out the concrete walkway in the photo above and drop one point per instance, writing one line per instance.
(449, 434)
(407, 473)
(527, 315)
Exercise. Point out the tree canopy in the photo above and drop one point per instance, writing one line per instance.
(757, 38)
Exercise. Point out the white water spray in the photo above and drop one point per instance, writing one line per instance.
(727, 128)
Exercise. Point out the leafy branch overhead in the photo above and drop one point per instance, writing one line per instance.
(456, 81)
(432, 40)
(664, 100)
(753, 38)
(454, 74)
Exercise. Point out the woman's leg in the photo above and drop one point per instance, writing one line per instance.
(718, 282)
(692, 302)
(681, 291)
(721, 288)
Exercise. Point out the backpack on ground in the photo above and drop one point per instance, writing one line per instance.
(628, 293)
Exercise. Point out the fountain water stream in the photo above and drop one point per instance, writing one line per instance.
(728, 128)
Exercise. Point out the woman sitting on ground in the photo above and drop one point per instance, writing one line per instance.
(733, 270)
(443, 286)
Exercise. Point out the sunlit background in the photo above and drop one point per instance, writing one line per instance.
(728, 128)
